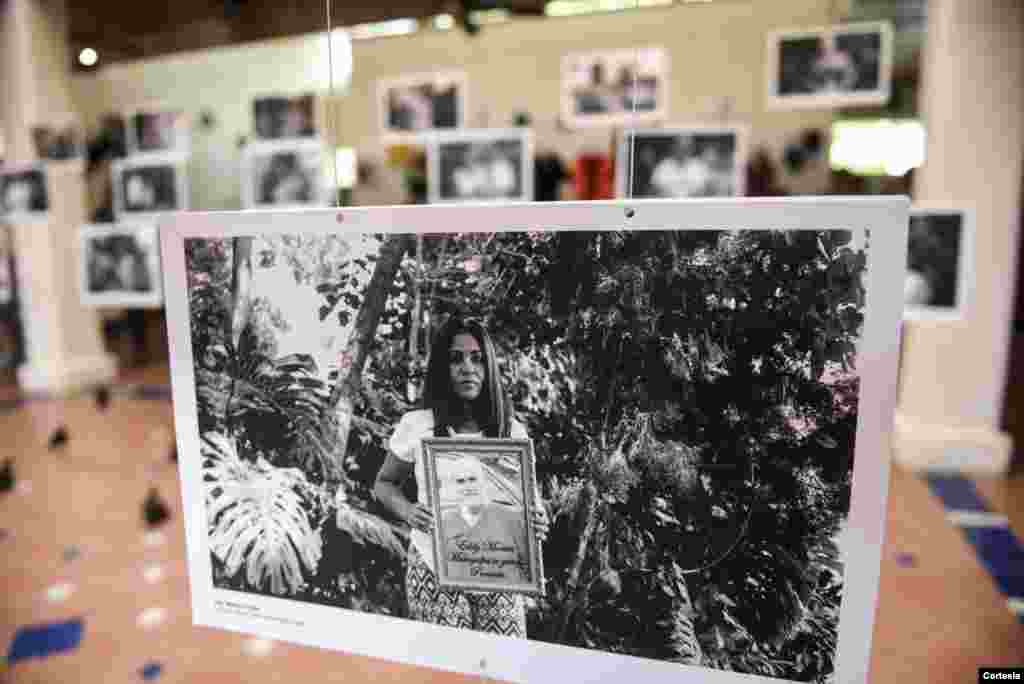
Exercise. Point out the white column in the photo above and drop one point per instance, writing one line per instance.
(954, 374)
(64, 348)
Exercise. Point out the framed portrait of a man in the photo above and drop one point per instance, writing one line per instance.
(481, 494)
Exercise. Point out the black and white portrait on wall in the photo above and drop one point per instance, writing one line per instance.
(157, 131)
(283, 174)
(23, 192)
(149, 184)
(846, 65)
(614, 87)
(939, 268)
(706, 397)
(679, 162)
(420, 103)
(120, 266)
(280, 117)
(480, 165)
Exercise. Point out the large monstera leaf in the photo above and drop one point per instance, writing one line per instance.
(257, 519)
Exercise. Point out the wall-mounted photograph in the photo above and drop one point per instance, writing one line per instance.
(420, 103)
(682, 161)
(284, 174)
(480, 165)
(23, 192)
(277, 117)
(120, 266)
(157, 131)
(614, 87)
(148, 185)
(939, 263)
(832, 66)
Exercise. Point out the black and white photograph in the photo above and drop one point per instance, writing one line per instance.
(23, 192)
(282, 117)
(483, 495)
(120, 266)
(349, 398)
(845, 65)
(614, 87)
(59, 142)
(680, 162)
(420, 103)
(158, 131)
(283, 174)
(149, 185)
(938, 263)
(480, 165)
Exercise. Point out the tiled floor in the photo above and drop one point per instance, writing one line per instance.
(940, 614)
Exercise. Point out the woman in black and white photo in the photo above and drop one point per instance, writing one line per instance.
(463, 396)
(24, 192)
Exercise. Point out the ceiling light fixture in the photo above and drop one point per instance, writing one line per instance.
(88, 57)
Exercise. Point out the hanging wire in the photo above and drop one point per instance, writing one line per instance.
(330, 105)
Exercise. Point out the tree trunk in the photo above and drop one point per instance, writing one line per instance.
(356, 350)
(574, 593)
(413, 387)
(676, 623)
(238, 313)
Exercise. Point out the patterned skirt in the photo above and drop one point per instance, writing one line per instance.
(496, 612)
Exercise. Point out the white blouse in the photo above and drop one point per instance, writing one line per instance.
(406, 444)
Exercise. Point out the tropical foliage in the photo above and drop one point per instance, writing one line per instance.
(691, 395)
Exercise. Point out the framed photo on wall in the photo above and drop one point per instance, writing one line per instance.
(24, 195)
(284, 117)
(682, 161)
(627, 87)
(480, 165)
(846, 65)
(119, 266)
(482, 494)
(157, 130)
(940, 268)
(617, 344)
(147, 185)
(413, 105)
(286, 173)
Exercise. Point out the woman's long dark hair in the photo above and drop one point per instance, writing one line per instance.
(491, 408)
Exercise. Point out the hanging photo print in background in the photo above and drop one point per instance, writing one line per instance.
(154, 130)
(144, 186)
(706, 389)
(120, 266)
(58, 142)
(614, 87)
(939, 263)
(420, 103)
(23, 193)
(283, 117)
(835, 66)
(283, 174)
(480, 165)
(690, 161)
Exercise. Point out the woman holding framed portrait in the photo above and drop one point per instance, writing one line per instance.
(463, 398)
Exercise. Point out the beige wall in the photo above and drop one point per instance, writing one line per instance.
(973, 105)
(715, 50)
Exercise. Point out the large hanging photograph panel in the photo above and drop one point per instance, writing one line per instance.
(834, 66)
(571, 439)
